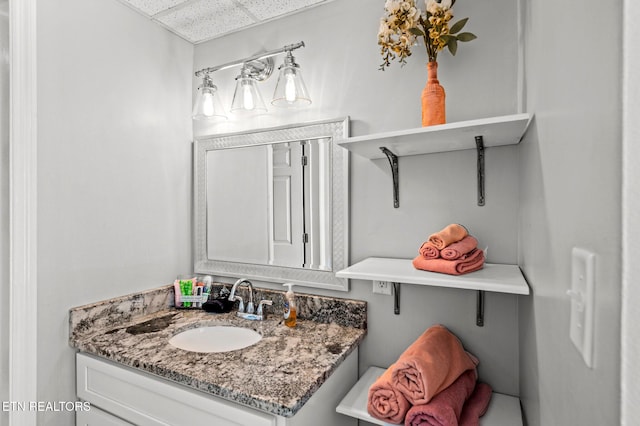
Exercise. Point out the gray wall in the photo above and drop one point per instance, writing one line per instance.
(340, 65)
(114, 168)
(4, 204)
(630, 345)
(570, 196)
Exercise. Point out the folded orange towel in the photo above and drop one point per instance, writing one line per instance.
(386, 403)
(476, 405)
(459, 248)
(473, 261)
(430, 364)
(445, 408)
(448, 235)
(429, 251)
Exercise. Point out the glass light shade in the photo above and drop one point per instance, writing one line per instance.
(247, 98)
(207, 105)
(290, 90)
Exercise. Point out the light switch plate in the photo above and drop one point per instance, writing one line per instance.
(582, 295)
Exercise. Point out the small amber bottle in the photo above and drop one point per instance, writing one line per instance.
(289, 307)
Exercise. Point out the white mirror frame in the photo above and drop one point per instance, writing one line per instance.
(337, 129)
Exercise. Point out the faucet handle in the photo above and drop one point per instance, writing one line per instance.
(262, 303)
(241, 305)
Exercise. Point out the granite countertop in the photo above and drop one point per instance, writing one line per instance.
(277, 375)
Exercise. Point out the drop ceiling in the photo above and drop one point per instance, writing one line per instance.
(201, 20)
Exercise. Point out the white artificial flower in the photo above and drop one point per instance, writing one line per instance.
(392, 6)
(384, 27)
(414, 14)
(432, 6)
(445, 4)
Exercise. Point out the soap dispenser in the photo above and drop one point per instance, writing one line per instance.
(289, 306)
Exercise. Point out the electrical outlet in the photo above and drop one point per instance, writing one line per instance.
(382, 287)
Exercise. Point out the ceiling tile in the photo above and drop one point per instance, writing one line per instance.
(151, 7)
(267, 9)
(202, 20)
(205, 19)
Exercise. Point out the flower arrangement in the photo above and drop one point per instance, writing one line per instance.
(403, 23)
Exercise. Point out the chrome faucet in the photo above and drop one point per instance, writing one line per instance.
(248, 313)
(233, 297)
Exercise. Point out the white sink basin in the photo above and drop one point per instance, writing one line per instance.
(217, 338)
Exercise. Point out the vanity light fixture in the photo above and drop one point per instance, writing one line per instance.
(290, 91)
(208, 105)
(247, 98)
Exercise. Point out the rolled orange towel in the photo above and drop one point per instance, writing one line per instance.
(476, 406)
(473, 261)
(429, 251)
(385, 402)
(430, 364)
(459, 248)
(445, 408)
(448, 235)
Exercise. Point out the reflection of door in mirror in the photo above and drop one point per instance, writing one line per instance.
(286, 230)
(271, 204)
(300, 232)
(317, 204)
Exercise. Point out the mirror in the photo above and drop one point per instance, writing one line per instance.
(271, 204)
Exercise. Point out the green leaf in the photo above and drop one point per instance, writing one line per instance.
(466, 37)
(452, 44)
(416, 32)
(458, 26)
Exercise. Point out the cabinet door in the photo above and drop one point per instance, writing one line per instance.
(97, 417)
(143, 400)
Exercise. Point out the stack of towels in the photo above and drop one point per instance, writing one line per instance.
(434, 382)
(450, 251)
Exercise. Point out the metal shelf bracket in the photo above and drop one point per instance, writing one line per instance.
(396, 298)
(480, 309)
(479, 304)
(480, 150)
(393, 162)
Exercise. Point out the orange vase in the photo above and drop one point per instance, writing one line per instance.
(433, 97)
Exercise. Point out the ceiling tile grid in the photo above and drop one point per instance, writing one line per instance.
(152, 7)
(206, 19)
(268, 9)
(201, 20)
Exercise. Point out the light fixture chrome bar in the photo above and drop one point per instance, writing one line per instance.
(256, 57)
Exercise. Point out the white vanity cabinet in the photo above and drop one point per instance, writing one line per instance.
(97, 417)
(120, 395)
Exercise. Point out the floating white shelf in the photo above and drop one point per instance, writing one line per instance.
(503, 409)
(493, 277)
(478, 134)
(495, 131)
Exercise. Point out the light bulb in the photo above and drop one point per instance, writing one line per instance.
(247, 97)
(207, 104)
(290, 88)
